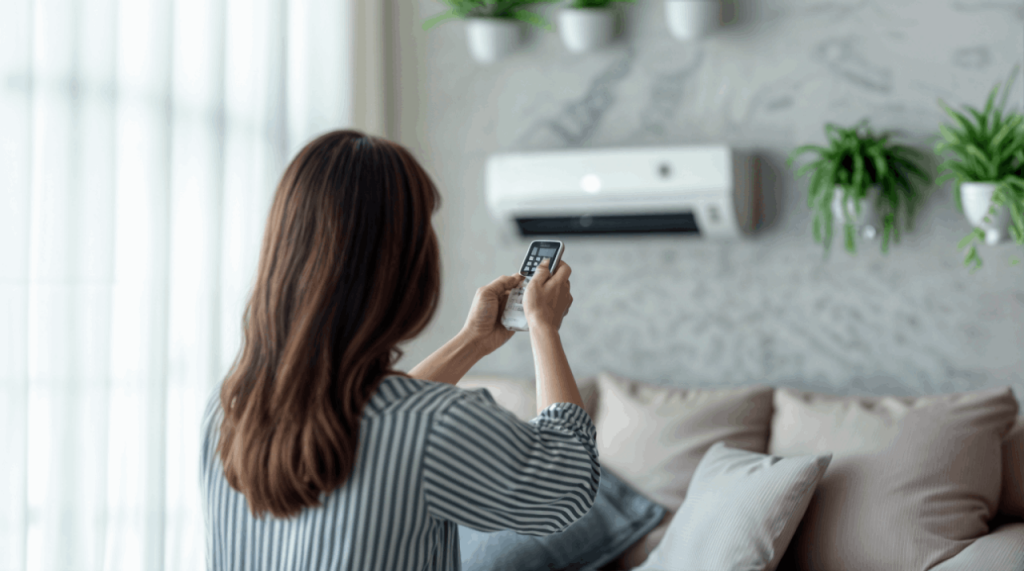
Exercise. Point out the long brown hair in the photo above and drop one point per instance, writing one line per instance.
(348, 269)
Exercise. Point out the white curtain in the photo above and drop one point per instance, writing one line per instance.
(140, 144)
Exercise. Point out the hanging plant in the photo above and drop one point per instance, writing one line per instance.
(588, 25)
(865, 181)
(692, 19)
(507, 9)
(493, 27)
(985, 150)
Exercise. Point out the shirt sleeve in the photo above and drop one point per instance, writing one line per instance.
(485, 469)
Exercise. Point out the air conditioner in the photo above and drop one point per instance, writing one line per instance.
(700, 190)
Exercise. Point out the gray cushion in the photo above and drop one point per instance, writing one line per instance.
(619, 518)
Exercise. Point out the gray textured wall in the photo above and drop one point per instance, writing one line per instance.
(770, 308)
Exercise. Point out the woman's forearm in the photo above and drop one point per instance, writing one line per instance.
(555, 382)
(449, 363)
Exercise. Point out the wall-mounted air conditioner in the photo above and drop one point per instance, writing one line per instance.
(701, 190)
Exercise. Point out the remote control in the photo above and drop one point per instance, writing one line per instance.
(513, 317)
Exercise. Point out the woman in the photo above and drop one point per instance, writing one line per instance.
(317, 453)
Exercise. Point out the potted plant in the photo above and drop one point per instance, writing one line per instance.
(587, 25)
(692, 19)
(493, 27)
(864, 181)
(985, 150)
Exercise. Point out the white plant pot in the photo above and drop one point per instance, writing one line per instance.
(586, 29)
(844, 210)
(491, 39)
(976, 198)
(692, 19)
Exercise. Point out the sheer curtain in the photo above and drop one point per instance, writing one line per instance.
(140, 143)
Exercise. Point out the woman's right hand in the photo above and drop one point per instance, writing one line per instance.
(547, 298)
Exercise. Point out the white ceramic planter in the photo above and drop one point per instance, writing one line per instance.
(491, 39)
(976, 198)
(692, 19)
(586, 29)
(844, 211)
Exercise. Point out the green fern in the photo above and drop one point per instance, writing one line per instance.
(510, 9)
(986, 146)
(856, 159)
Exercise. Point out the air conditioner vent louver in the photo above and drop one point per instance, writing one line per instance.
(659, 223)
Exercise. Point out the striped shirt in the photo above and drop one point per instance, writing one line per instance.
(431, 456)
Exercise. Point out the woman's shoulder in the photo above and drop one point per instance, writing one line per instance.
(400, 393)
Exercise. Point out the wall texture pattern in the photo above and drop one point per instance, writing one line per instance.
(768, 309)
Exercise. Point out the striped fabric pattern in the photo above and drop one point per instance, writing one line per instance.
(431, 456)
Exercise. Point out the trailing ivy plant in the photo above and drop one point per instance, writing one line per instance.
(986, 146)
(856, 159)
(510, 9)
(597, 3)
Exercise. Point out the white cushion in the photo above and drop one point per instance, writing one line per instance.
(741, 511)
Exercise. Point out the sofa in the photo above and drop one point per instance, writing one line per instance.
(931, 483)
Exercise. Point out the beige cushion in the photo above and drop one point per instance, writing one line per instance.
(740, 512)
(1011, 501)
(912, 481)
(653, 438)
(520, 395)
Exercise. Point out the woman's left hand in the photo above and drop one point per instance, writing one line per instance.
(483, 326)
